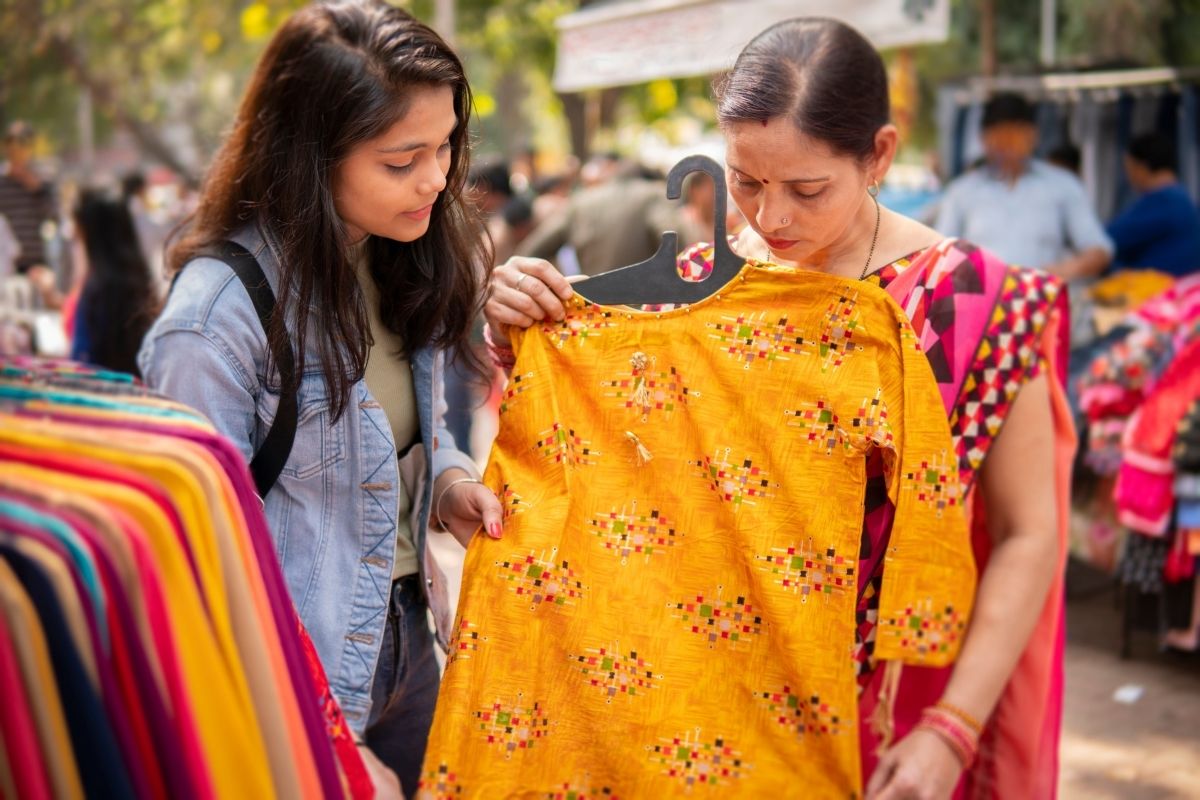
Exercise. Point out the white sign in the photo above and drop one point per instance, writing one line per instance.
(642, 40)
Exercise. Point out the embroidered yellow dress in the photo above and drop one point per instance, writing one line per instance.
(671, 611)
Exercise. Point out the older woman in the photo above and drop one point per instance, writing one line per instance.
(805, 116)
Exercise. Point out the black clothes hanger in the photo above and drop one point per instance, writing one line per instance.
(656, 280)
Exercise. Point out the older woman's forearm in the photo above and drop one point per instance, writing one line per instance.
(1012, 594)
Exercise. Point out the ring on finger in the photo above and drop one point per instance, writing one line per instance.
(517, 285)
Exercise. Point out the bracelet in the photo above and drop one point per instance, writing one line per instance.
(962, 715)
(502, 355)
(437, 509)
(950, 730)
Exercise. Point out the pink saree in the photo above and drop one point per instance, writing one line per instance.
(987, 329)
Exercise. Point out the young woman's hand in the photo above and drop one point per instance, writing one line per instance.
(919, 767)
(523, 291)
(386, 783)
(463, 506)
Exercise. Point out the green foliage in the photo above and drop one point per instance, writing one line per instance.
(148, 61)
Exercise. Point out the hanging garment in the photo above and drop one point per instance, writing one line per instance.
(1121, 375)
(1144, 494)
(987, 329)
(673, 603)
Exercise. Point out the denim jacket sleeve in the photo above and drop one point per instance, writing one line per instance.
(202, 350)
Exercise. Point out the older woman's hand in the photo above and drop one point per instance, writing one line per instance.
(919, 767)
(523, 291)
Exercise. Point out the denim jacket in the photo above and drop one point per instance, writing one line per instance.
(332, 512)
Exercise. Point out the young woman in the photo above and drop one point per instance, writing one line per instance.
(805, 117)
(343, 176)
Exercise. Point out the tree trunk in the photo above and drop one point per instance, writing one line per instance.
(987, 37)
(104, 95)
(575, 109)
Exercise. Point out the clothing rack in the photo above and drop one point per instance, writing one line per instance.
(1139, 392)
(148, 642)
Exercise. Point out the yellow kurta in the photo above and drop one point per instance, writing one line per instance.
(671, 610)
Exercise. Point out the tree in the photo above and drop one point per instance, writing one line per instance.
(144, 62)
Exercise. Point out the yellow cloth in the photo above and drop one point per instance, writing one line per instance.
(672, 607)
(389, 380)
(41, 690)
(1130, 288)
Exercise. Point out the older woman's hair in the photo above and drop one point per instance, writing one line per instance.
(821, 74)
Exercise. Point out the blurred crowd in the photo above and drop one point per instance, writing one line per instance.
(82, 267)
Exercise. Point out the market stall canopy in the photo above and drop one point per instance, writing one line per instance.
(621, 43)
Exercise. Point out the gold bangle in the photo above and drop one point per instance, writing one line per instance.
(437, 508)
(963, 716)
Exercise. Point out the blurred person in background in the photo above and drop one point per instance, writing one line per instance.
(153, 226)
(119, 297)
(619, 222)
(26, 199)
(1067, 157)
(27, 202)
(1161, 228)
(1021, 208)
(551, 193)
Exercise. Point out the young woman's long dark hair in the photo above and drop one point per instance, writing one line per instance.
(335, 75)
(118, 301)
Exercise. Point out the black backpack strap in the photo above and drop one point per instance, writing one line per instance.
(268, 462)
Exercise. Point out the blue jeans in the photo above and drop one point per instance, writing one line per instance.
(405, 688)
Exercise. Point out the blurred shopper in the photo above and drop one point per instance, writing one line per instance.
(1022, 209)
(1067, 157)
(153, 225)
(1161, 229)
(119, 297)
(344, 175)
(805, 116)
(615, 223)
(26, 200)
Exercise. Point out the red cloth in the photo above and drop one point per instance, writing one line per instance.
(1145, 491)
(20, 746)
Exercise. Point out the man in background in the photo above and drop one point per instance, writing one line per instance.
(26, 201)
(1023, 209)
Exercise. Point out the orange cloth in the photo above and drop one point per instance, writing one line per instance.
(672, 605)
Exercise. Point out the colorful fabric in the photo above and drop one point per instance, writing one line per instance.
(1130, 288)
(1145, 494)
(987, 329)
(666, 567)
(200, 520)
(1122, 375)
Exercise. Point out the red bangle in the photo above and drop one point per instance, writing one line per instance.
(962, 715)
(953, 732)
(503, 357)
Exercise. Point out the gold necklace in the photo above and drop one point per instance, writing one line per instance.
(874, 240)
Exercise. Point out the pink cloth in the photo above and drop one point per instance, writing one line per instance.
(1019, 750)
